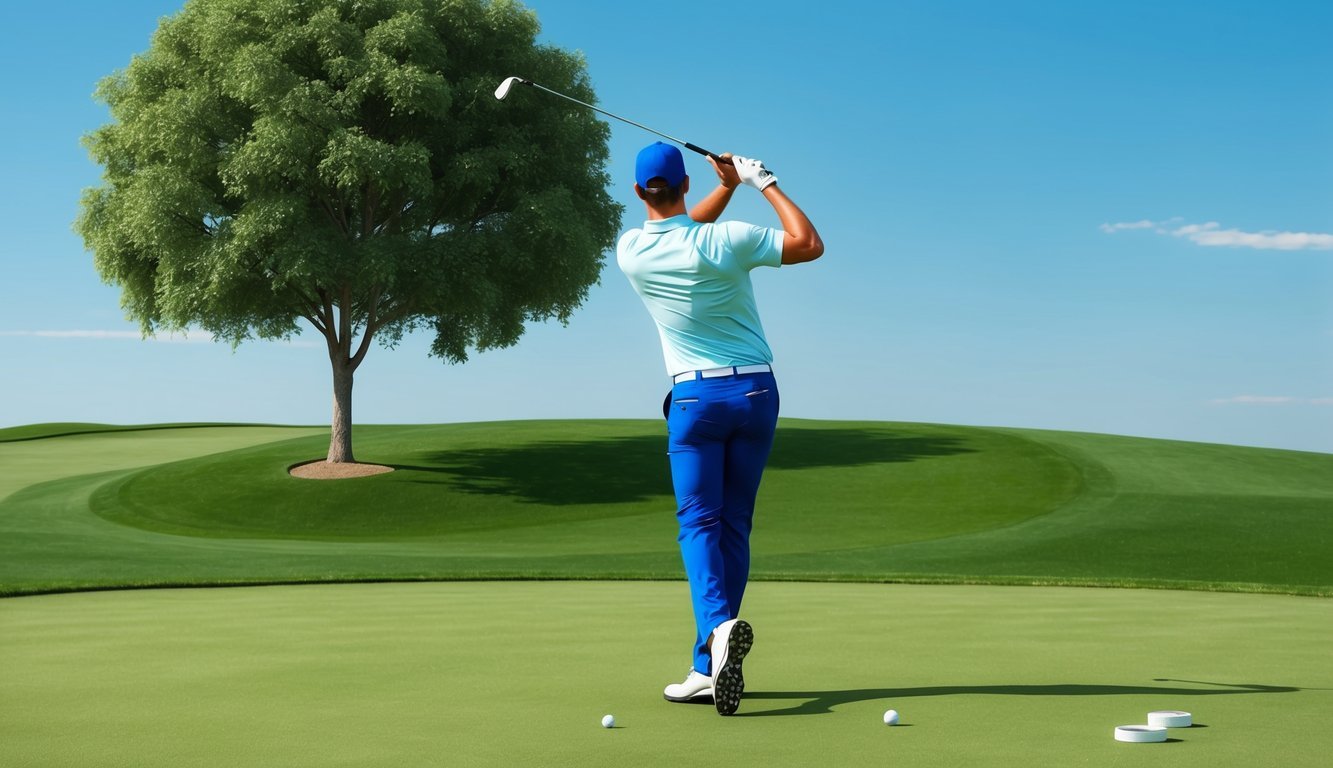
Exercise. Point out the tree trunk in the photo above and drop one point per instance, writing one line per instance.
(340, 439)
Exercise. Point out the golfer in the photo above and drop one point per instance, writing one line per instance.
(693, 275)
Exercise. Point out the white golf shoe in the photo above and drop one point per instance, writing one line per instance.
(696, 687)
(731, 641)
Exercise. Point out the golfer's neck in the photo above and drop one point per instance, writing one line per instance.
(666, 212)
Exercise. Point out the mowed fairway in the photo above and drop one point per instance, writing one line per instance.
(515, 673)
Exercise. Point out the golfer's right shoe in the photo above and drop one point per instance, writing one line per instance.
(696, 687)
(731, 641)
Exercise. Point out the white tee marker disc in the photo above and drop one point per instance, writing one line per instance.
(1170, 718)
(1140, 734)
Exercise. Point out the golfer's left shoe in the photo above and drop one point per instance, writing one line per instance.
(696, 687)
(731, 641)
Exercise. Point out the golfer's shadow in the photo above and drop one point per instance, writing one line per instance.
(823, 702)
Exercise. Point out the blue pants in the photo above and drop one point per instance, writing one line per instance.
(720, 433)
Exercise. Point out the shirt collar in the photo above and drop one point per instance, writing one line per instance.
(658, 226)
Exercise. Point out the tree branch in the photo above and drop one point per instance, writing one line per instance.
(368, 333)
(338, 219)
(485, 208)
(310, 318)
(398, 207)
(369, 202)
(394, 315)
(310, 303)
(201, 227)
(342, 213)
(313, 315)
(331, 334)
(345, 321)
(311, 306)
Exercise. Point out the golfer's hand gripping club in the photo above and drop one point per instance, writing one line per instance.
(725, 170)
(753, 172)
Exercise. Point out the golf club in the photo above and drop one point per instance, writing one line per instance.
(509, 82)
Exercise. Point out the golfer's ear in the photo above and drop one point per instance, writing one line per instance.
(638, 190)
(685, 185)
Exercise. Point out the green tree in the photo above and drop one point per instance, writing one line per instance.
(344, 163)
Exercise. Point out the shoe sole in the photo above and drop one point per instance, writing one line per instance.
(702, 697)
(729, 681)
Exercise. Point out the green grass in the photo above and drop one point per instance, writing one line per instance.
(498, 673)
(520, 674)
(848, 501)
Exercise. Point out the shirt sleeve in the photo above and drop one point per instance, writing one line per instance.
(754, 246)
(622, 250)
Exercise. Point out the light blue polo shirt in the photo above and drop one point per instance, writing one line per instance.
(695, 280)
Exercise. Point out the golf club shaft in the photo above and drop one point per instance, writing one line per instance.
(685, 144)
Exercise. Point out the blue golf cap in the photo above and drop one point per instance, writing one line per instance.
(659, 159)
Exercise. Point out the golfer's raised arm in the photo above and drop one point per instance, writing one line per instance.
(800, 242)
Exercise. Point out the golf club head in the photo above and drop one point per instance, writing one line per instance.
(503, 90)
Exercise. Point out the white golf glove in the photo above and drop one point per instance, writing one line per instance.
(753, 172)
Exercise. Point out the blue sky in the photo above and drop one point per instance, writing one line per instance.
(1109, 217)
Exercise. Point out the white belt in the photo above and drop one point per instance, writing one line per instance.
(717, 373)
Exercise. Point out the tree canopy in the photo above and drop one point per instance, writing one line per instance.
(344, 163)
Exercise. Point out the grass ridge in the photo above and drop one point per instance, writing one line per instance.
(882, 502)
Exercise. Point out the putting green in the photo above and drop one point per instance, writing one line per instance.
(521, 673)
(510, 476)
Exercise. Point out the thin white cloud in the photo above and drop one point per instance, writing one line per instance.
(189, 337)
(1271, 400)
(1162, 227)
(1269, 240)
(1111, 229)
(1212, 234)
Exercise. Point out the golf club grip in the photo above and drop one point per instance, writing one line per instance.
(702, 151)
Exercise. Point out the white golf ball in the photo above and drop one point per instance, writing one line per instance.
(891, 717)
(609, 721)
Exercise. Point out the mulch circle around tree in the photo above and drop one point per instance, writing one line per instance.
(323, 470)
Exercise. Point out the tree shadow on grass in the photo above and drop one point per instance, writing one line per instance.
(624, 469)
(823, 702)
